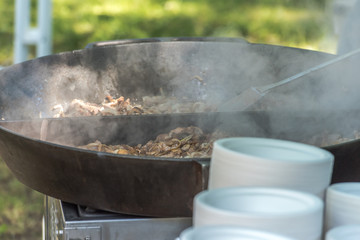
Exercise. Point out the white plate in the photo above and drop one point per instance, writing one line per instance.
(289, 213)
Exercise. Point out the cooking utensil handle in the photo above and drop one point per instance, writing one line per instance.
(263, 89)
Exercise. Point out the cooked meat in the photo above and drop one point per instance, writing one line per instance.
(187, 142)
(326, 139)
(122, 106)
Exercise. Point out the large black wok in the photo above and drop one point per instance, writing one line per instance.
(134, 68)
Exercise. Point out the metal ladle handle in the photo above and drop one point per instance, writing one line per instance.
(264, 89)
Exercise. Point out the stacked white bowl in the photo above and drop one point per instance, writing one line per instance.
(293, 214)
(342, 204)
(227, 233)
(263, 162)
(344, 232)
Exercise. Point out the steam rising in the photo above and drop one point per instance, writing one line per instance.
(209, 71)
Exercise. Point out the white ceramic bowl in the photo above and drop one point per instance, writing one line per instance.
(264, 162)
(289, 213)
(344, 232)
(342, 204)
(227, 233)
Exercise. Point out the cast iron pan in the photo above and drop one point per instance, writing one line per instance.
(158, 186)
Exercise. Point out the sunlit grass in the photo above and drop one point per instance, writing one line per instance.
(76, 23)
(287, 23)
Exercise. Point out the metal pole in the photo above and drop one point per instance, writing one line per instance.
(41, 36)
(22, 21)
(44, 22)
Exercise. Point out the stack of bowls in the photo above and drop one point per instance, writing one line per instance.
(342, 205)
(263, 162)
(265, 185)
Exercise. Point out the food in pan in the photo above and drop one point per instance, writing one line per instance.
(326, 139)
(124, 106)
(181, 142)
(187, 142)
(192, 142)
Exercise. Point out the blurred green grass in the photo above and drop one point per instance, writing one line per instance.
(292, 23)
(20, 208)
(76, 23)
